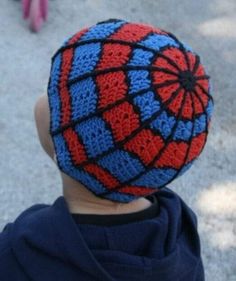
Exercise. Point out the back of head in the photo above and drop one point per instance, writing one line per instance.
(130, 107)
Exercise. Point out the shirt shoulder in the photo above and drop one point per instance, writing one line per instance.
(5, 239)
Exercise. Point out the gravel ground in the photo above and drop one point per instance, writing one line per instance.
(27, 176)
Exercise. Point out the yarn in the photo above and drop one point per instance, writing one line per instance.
(130, 108)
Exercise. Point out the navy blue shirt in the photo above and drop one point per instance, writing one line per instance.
(47, 243)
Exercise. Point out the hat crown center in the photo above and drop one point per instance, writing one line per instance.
(187, 80)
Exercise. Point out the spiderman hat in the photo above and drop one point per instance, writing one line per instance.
(130, 108)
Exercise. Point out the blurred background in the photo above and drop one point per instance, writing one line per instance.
(27, 176)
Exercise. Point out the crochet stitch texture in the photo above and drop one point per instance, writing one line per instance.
(130, 108)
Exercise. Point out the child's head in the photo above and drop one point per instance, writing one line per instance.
(129, 109)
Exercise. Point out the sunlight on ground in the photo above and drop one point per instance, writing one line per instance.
(219, 200)
(223, 26)
(218, 207)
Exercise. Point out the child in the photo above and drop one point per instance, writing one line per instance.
(127, 111)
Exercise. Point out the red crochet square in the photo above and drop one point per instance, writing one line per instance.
(173, 155)
(191, 59)
(78, 35)
(177, 57)
(136, 190)
(160, 77)
(200, 71)
(197, 104)
(112, 87)
(197, 145)
(102, 175)
(64, 92)
(122, 119)
(131, 32)
(114, 55)
(187, 111)
(75, 147)
(162, 62)
(165, 93)
(201, 91)
(175, 105)
(145, 144)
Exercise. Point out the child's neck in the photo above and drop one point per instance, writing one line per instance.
(80, 200)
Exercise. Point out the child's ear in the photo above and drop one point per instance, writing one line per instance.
(42, 120)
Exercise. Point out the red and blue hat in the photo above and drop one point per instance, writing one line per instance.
(130, 108)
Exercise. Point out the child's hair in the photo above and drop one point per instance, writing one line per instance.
(129, 108)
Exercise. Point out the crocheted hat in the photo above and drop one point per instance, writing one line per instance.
(129, 108)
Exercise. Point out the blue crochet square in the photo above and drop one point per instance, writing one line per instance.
(157, 41)
(85, 59)
(53, 93)
(200, 125)
(121, 197)
(66, 165)
(187, 47)
(147, 104)
(121, 165)
(63, 156)
(96, 138)
(102, 30)
(141, 57)
(183, 131)
(139, 80)
(164, 124)
(90, 182)
(209, 109)
(155, 178)
(83, 98)
(185, 168)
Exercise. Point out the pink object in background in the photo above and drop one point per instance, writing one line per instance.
(36, 11)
